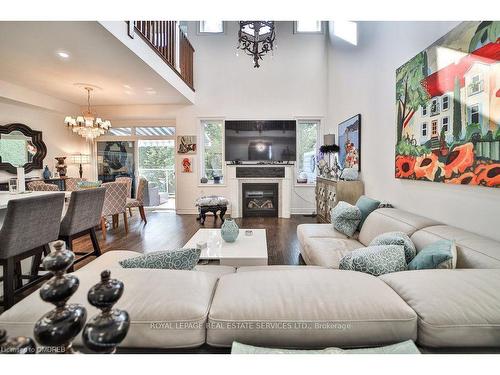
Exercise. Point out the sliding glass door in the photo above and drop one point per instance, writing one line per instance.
(115, 159)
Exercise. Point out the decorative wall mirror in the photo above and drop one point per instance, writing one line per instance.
(21, 146)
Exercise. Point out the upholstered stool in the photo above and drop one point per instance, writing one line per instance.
(211, 203)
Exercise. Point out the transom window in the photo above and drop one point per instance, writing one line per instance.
(163, 131)
(211, 27)
(446, 102)
(308, 27)
(121, 132)
(212, 150)
(307, 149)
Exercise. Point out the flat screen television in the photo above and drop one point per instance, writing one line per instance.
(260, 141)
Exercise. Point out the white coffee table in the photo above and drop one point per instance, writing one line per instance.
(245, 251)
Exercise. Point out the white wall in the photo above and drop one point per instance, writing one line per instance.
(287, 85)
(362, 80)
(59, 140)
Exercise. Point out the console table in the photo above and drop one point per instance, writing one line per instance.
(329, 192)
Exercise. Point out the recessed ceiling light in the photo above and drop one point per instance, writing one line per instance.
(128, 87)
(63, 55)
(150, 92)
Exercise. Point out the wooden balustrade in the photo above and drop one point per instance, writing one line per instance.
(163, 36)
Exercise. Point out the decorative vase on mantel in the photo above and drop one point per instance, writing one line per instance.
(229, 230)
(46, 173)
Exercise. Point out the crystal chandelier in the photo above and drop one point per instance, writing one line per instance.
(256, 38)
(87, 125)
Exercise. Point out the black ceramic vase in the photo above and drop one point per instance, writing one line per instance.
(57, 328)
(105, 331)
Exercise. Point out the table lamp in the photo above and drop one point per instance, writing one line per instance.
(80, 159)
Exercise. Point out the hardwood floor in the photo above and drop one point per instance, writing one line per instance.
(165, 230)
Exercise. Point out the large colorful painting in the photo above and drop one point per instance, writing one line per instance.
(349, 132)
(448, 109)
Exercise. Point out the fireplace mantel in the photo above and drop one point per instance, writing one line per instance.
(284, 189)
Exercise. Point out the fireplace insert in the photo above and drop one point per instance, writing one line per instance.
(260, 200)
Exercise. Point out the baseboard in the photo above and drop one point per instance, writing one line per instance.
(186, 211)
(302, 211)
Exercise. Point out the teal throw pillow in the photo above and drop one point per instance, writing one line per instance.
(367, 206)
(375, 260)
(440, 254)
(181, 259)
(397, 238)
(346, 218)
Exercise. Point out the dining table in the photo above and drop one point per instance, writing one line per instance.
(6, 196)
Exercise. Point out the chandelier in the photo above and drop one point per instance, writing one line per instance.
(88, 125)
(256, 38)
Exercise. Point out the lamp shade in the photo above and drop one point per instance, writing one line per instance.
(79, 159)
(329, 139)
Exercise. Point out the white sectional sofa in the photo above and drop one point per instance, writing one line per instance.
(312, 306)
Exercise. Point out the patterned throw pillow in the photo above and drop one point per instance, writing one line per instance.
(181, 259)
(397, 238)
(440, 254)
(346, 218)
(375, 260)
(367, 206)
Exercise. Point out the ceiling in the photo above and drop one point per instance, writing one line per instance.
(29, 58)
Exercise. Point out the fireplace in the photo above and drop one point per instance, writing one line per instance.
(260, 200)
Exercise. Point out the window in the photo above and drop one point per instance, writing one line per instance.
(424, 110)
(434, 107)
(476, 85)
(424, 129)
(211, 27)
(122, 132)
(347, 31)
(446, 102)
(307, 148)
(475, 117)
(444, 124)
(212, 141)
(161, 131)
(315, 27)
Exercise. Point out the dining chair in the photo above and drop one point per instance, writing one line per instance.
(115, 203)
(139, 199)
(81, 218)
(128, 181)
(72, 183)
(29, 225)
(41, 186)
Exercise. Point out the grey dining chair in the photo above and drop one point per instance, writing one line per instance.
(81, 218)
(28, 227)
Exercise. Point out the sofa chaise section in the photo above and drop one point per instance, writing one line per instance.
(308, 309)
(455, 308)
(167, 308)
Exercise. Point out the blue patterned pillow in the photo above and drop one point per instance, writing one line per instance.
(439, 254)
(397, 238)
(367, 206)
(181, 259)
(375, 260)
(346, 218)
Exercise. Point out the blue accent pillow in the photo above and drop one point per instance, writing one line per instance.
(396, 238)
(367, 206)
(346, 218)
(440, 254)
(375, 260)
(181, 259)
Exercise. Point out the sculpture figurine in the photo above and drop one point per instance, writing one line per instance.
(61, 166)
(106, 330)
(57, 328)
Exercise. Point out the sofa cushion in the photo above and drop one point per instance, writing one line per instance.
(308, 309)
(473, 251)
(276, 268)
(317, 230)
(396, 238)
(167, 308)
(375, 260)
(327, 252)
(439, 254)
(455, 308)
(391, 220)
